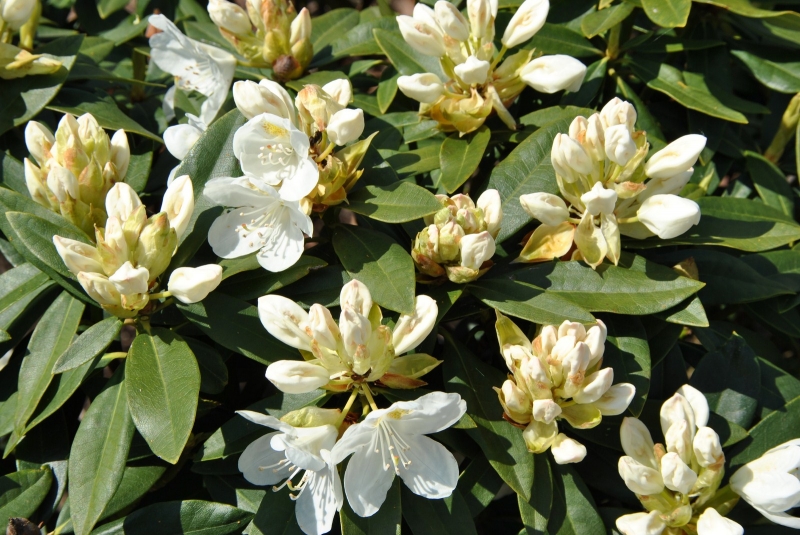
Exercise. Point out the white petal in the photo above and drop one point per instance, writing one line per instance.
(641, 524)
(713, 523)
(366, 481)
(355, 438)
(227, 191)
(410, 331)
(784, 519)
(566, 450)
(285, 320)
(429, 413)
(317, 506)
(698, 403)
(223, 238)
(433, 472)
(301, 183)
(257, 455)
(180, 139)
(282, 243)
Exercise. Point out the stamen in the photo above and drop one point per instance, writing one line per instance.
(288, 479)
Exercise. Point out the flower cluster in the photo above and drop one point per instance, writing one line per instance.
(458, 240)
(77, 168)
(22, 16)
(290, 169)
(558, 376)
(358, 350)
(610, 190)
(133, 251)
(270, 33)
(676, 483)
(477, 80)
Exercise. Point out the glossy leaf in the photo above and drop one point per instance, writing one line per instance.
(535, 512)
(196, 517)
(668, 13)
(528, 302)
(254, 281)
(628, 354)
(22, 492)
(89, 344)
(396, 203)
(770, 183)
(433, 517)
(459, 157)
(574, 511)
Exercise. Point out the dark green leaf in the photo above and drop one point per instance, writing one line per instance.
(603, 20)
(479, 484)
(628, 353)
(89, 344)
(573, 511)
(330, 26)
(257, 281)
(535, 512)
(770, 183)
(359, 41)
(396, 203)
(449, 516)
(459, 157)
(783, 77)
(189, 517)
(102, 107)
(22, 492)
(558, 39)
(527, 301)
(668, 13)
(213, 372)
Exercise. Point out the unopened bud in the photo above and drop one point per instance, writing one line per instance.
(678, 439)
(341, 91)
(129, 280)
(324, 330)
(63, 184)
(451, 20)
(253, 99)
(480, 17)
(619, 145)
(425, 87)
(639, 478)
(617, 111)
(122, 201)
(527, 20)
(356, 295)
(39, 141)
(78, 256)
(594, 386)
(551, 74)
(676, 157)
(516, 402)
(229, 16)
(641, 524)
(473, 71)
(411, 330)
(668, 216)
(706, 447)
(16, 12)
(566, 450)
(548, 208)
(297, 377)
(492, 207)
(345, 126)
(476, 249)
(190, 285)
(356, 330)
(178, 203)
(676, 474)
(637, 442)
(301, 27)
(120, 154)
(713, 523)
(422, 37)
(99, 288)
(599, 200)
(545, 410)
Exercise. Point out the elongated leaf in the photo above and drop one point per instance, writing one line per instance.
(108, 7)
(782, 267)
(558, 39)
(19, 288)
(500, 441)
(22, 492)
(527, 301)
(89, 344)
(330, 26)
(257, 281)
(189, 517)
(604, 19)
(628, 353)
(234, 324)
(387, 521)
(770, 183)
(668, 13)
(98, 454)
(359, 41)
(213, 371)
(459, 157)
(387, 89)
(783, 77)
(535, 512)
(405, 59)
(396, 203)
(434, 517)
(379, 262)
(479, 484)
(162, 384)
(574, 511)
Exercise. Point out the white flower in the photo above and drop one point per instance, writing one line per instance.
(492, 207)
(282, 455)
(78, 256)
(16, 12)
(410, 331)
(190, 285)
(676, 157)
(639, 478)
(451, 20)
(178, 203)
(668, 216)
(229, 16)
(195, 66)
(340, 90)
(425, 87)
(476, 249)
(297, 376)
(481, 16)
(713, 523)
(619, 145)
(676, 474)
(473, 71)
(345, 126)
(770, 483)
(130, 280)
(272, 149)
(391, 442)
(527, 20)
(548, 208)
(260, 220)
(616, 399)
(551, 74)
(565, 450)
(599, 200)
(180, 138)
(422, 31)
(253, 99)
(121, 201)
(641, 524)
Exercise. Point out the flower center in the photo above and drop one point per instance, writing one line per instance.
(275, 153)
(286, 465)
(392, 447)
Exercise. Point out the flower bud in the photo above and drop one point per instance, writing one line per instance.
(311, 417)
(473, 71)
(679, 440)
(253, 99)
(130, 280)
(547, 340)
(480, 17)
(637, 442)
(122, 201)
(594, 386)
(641, 524)
(698, 403)
(300, 27)
(120, 154)
(713, 523)
(616, 399)
(676, 474)
(572, 155)
(668, 216)
(355, 295)
(490, 204)
(356, 330)
(425, 87)
(422, 37)
(599, 200)
(619, 145)
(340, 91)
(535, 377)
(16, 12)
(566, 450)
(666, 186)
(548, 208)
(545, 410)
(296, 377)
(99, 288)
(639, 478)
(516, 402)
(157, 243)
(78, 256)
(346, 126)
(551, 74)
(411, 330)
(190, 285)
(572, 328)
(451, 20)
(178, 203)
(706, 447)
(229, 17)
(34, 181)
(576, 362)
(676, 157)
(63, 184)
(39, 141)
(476, 249)
(324, 330)
(527, 20)
(285, 320)
(676, 409)
(539, 436)
(617, 111)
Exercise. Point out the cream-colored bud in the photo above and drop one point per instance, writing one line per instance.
(324, 330)
(122, 201)
(564, 345)
(596, 340)
(229, 16)
(678, 439)
(639, 478)
(698, 403)
(63, 184)
(641, 524)
(706, 447)
(296, 377)
(411, 330)
(129, 280)
(548, 208)
(676, 409)
(451, 20)
(190, 285)
(355, 295)
(666, 186)
(713, 523)
(178, 203)
(16, 12)
(34, 182)
(668, 216)
(617, 111)
(548, 339)
(572, 328)
(356, 330)
(473, 71)
(78, 256)
(527, 20)
(492, 207)
(551, 74)
(285, 320)
(594, 386)
(425, 87)
(480, 17)
(345, 126)
(545, 410)
(99, 288)
(576, 362)
(253, 99)
(599, 200)
(300, 27)
(535, 377)
(422, 37)
(676, 157)
(676, 474)
(39, 141)
(637, 442)
(476, 249)
(616, 399)
(341, 91)
(120, 153)
(619, 145)
(566, 450)
(573, 155)
(516, 401)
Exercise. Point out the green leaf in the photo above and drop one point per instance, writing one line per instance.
(12, 174)
(108, 7)
(479, 484)
(535, 511)
(747, 9)
(189, 517)
(527, 301)
(275, 516)
(405, 59)
(379, 262)
(690, 313)
(776, 428)
(162, 384)
(459, 157)
(102, 107)
(783, 77)
(668, 13)
(558, 39)
(359, 41)
(574, 511)
(89, 344)
(330, 26)
(387, 89)
(628, 353)
(604, 19)
(770, 183)
(387, 521)
(257, 281)
(730, 379)
(24, 98)
(592, 83)
(50, 339)
(22, 492)
(526, 170)
(98, 454)
(213, 371)
(782, 267)
(210, 157)
(437, 517)
(500, 441)
(19, 288)
(396, 203)
(670, 81)
(637, 286)
(136, 481)
(234, 324)
(413, 162)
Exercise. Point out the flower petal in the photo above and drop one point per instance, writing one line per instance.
(302, 181)
(429, 413)
(282, 243)
(285, 320)
(259, 455)
(366, 481)
(180, 139)
(225, 241)
(354, 438)
(227, 191)
(433, 471)
(317, 505)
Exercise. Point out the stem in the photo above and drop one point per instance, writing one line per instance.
(499, 57)
(160, 295)
(612, 49)
(626, 220)
(368, 394)
(347, 406)
(785, 131)
(325, 154)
